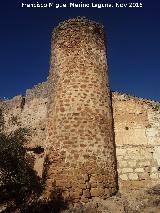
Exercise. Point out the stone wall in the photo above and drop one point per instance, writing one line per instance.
(137, 135)
(136, 126)
(80, 139)
(29, 112)
(72, 122)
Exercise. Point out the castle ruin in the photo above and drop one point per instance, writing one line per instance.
(80, 135)
(93, 145)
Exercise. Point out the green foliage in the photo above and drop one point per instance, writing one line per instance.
(1, 120)
(14, 120)
(20, 187)
(19, 182)
(55, 204)
(157, 107)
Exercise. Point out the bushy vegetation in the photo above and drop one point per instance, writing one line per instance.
(19, 183)
(20, 187)
(157, 107)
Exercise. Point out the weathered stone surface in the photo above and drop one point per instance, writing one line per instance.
(86, 177)
(133, 176)
(154, 176)
(139, 170)
(97, 192)
(76, 194)
(126, 170)
(88, 185)
(132, 163)
(154, 169)
(84, 199)
(123, 163)
(137, 135)
(80, 122)
(86, 193)
(123, 177)
(78, 129)
(156, 155)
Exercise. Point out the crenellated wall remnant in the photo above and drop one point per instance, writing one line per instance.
(71, 118)
(137, 146)
(28, 112)
(137, 135)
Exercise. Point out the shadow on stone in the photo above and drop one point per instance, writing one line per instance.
(154, 190)
(55, 204)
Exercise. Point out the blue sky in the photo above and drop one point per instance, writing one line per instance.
(133, 44)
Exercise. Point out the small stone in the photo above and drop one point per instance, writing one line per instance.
(120, 151)
(86, 177)
(93, 185)
(122, 164)
(93, 179)
(86, 193)
(76, 194)
(132, 163)
(84, 199)
(126, 170)
(107, 191)
(154, 169)
(143, 176)
(65, 194)
(101, 178)
(133, 176)
(139, 170)
(82, 186)
(97, 192)
(144, 163)
(154, 176)
(123, 177)
(88, 185)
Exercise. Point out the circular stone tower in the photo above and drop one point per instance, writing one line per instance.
(81, 149)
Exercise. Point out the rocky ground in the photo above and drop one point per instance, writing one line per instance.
(131, 201)
(134, 201)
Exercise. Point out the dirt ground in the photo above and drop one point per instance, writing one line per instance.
(133, 201)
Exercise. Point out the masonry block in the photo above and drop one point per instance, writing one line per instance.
(80, 136)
